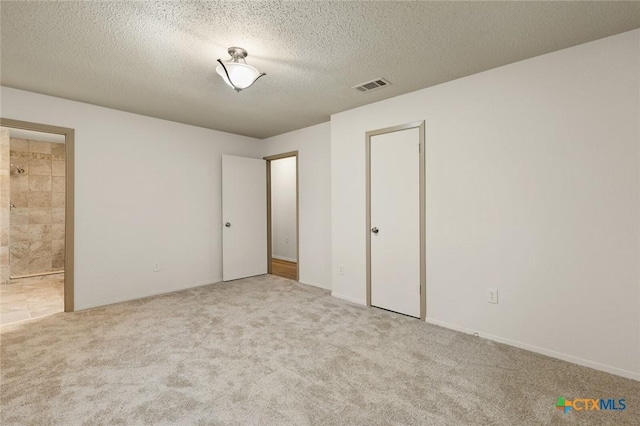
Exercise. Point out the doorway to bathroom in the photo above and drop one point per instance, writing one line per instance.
(36, 220)
(282, 215)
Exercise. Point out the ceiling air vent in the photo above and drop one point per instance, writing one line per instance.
(372, 85)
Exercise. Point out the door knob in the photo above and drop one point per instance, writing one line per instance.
(375, 230)
(228, 225)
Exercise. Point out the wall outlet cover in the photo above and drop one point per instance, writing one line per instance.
(492, 295)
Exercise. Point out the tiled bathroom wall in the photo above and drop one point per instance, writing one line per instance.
(37, 220)
(4, 205)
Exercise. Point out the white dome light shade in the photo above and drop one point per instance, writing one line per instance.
(242, 75)
(238, 75)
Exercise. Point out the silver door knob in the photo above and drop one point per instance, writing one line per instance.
(228, 225)
(375, 230)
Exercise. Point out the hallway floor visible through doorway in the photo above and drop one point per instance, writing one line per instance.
(30, 298)
(285, 269)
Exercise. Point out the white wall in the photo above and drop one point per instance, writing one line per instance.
(314, 155)
(283, 209)
(147, 191)
(533, 185)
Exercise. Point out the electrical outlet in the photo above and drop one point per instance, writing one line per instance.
(156, 268)
(286, 240)
(341, 270)
(492, 295)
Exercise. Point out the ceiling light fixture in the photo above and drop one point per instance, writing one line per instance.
(238, 74)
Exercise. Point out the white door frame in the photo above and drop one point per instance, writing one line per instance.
(269, 159)
(423, 268)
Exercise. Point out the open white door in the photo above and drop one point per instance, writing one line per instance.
(244, 217)
(395, 221)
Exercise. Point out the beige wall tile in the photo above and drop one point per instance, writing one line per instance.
(5, 148)
(19, 233)
(19, 145)
(57, 216)
(19, 259)
(20, 199)
(40, 199)
(57, 232)
(20, 154)
(57, 151)
(57, 245)
(19, 266)
(40, 147)
(39, 156)
(39, 232)
(19, 183)
(40, 183)
(39, 248)
(58, 184)
(57, 254)
(57, 168)
(4, 235)
(40, 216)
(57, 259)
(57, 263)
(39, 167)
(19, 250)
(40, 264)
(19, 216)
(4, 274)
(57, 199)
(5, 198)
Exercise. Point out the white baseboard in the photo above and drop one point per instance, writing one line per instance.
(553, 354)
(286, 259)
(158, 292)
(315, 285)
(349, 299)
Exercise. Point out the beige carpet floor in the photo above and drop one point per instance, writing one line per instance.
(269, 351)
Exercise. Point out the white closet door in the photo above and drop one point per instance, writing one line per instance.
(395, 221)
(244, 217)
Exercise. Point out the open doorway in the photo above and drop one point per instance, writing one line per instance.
(282, 215)
(36, 226)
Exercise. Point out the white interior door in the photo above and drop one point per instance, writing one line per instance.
(395, 221)
(244, 217)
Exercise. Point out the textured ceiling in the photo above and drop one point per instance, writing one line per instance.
(159, 58)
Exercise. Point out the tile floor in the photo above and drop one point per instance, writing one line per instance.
(29, 298)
